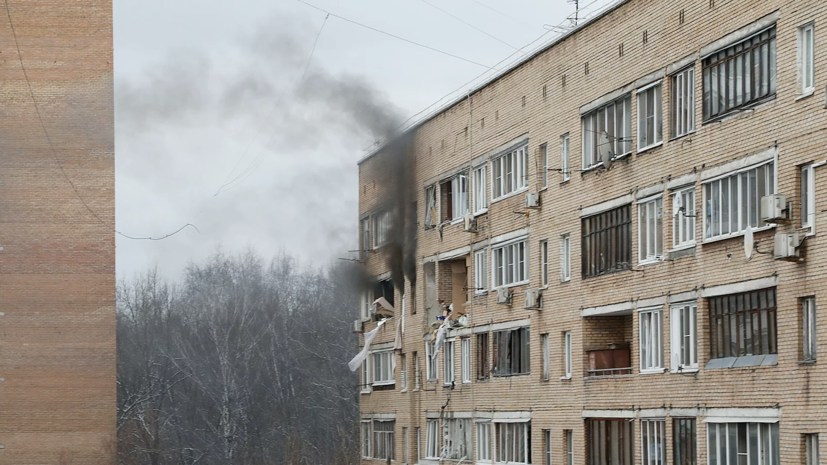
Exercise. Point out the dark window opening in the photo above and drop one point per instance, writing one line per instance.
(743, 324)
(511, 352)
(607, 242)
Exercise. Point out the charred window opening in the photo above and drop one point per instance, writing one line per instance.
(384, 289)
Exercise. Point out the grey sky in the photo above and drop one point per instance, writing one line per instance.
(206, 95)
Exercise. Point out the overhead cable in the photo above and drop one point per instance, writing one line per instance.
(471, 25)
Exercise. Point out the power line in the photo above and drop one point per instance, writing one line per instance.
(54, 152)
(470, 25)
(501, 13)
(397, 37)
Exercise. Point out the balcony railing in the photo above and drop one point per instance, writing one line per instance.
(606, 372)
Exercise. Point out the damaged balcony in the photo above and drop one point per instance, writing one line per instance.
(446, 291)
(607, 342)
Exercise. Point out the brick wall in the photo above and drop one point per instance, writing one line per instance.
(57, 262)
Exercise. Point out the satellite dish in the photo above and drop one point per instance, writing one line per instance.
(604, 149)
(677, 204)
(749, 242)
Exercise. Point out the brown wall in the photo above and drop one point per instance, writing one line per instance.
(57, 263)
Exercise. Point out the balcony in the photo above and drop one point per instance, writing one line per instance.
(614, 361)
(607, 345)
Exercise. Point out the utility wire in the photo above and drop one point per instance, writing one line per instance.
(503, 14)
(471, 25)
(396, 36)
(54, 152)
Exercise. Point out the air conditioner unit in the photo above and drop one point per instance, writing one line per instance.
(532, 200)
(504, 296)
(786, 246)
(470, 224)
(532, 298)
(773, 207)
(358, 326)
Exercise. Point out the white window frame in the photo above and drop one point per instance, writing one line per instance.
(381, 223)
(416, 371)
(479, 178)
(431, 363)
(366, 303)
(431, 207)
(367, 440)
(653, 432)
(480, 271)
(513, 166)
(385, 362)
(651, 339)
(570, 447)
(566, 355)
(457, 439)
(765, 435)
(809, 329)
(769, 181)
(646, 141)
(811, 449)
(546, 447)
(432, 439)
(509, 451)
(484, 441)
(505, 274)
(418, 444)
(459, 197)
(808, 199)
(683, 102)
(403, 372)
(388, 440)
(448, 365)
(684, 323)
(544, 375)
(366, 244)
(544, 165)
(544, 263)
(365, 376)
(806, 58)
(683, 222)
(565, 258)
(565, 156)
(650, 221)
(465, 359)
(589, 123)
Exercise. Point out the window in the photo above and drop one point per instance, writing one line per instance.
(651, 353)
(431, 361)
(547, 447)
(649, 117)
(742, 324)
(683, 440)
(544, 262)
(607, 242)
(544, 165)
(465, 356)
(511, 352)
(513, 442)
(650, 230)
(365, 378)
(806, 63)
(381, 228)
(383, 443)
(365, 305)
(808, 198)
(459, 196)
(615, 121)
(480, 197)
(383, 367)
(480, 271)
(808, 320)
(569, 435)
(431, 216)
(448, 362)
(510, 172)
(544, 351)
(734, 201)
(483, 441)
(416, 370)
(811, 449)
(418, 444)
(683, 223)
(610, 441)
(366, 438)
(483, 368)
(405, 458)
(739, 75)
(432, 439)
(403, 372)
(684, 340)
(565, 145)
(740, 443)
(365, 238)
(653, 438)
(567, 354)
(458, 439)
(565, 258)
(683, 102)
(509, 266)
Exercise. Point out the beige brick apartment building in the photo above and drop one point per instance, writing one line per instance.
(613, 318)
(57, 259)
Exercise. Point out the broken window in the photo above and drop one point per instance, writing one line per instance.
(742, 324)
(612, 121)
(510, 172)
(483, 368)
(511, 352)
(384, 289)
(431, 217)
(607, 242)
(456, 439)
(739, 75)
(454, 198)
